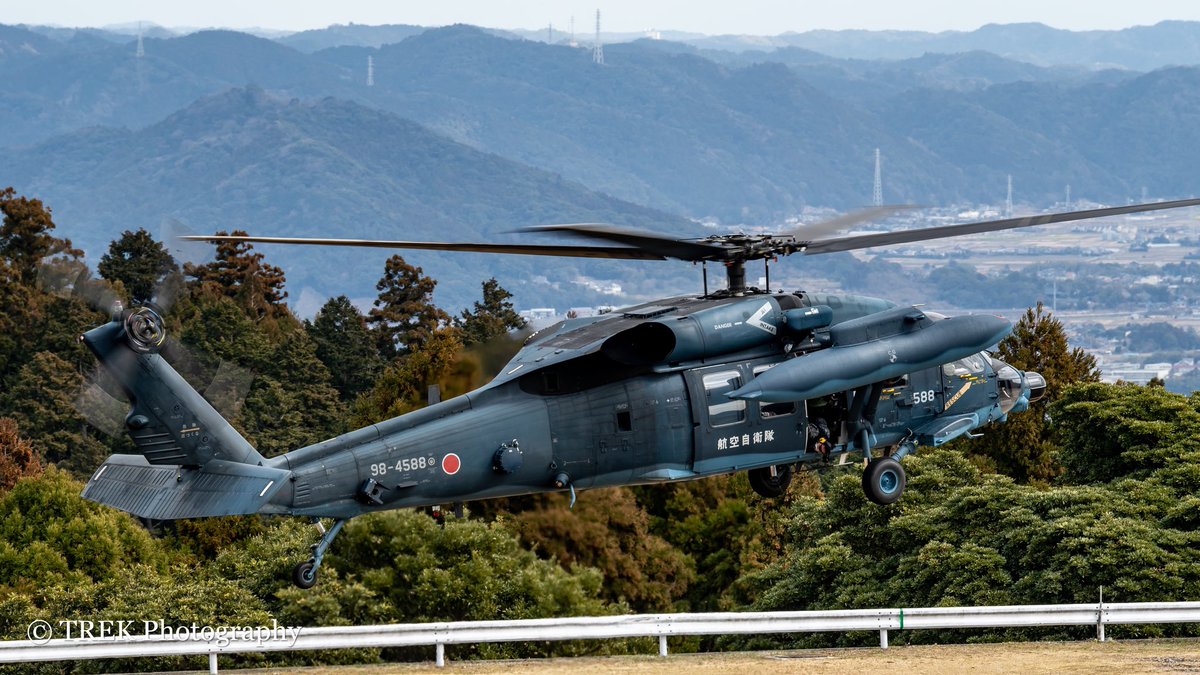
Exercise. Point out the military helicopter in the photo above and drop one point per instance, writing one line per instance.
(738, 379)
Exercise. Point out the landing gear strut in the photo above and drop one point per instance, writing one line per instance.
(883, 479)
(305, 574)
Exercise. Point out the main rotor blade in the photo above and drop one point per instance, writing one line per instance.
(666, 247)
(614, 252)
(824, 228)
(941, 232)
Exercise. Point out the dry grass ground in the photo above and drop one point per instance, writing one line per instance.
(1135, 656)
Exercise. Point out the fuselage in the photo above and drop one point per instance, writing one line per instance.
(605, 416)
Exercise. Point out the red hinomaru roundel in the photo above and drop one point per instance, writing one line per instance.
(451, 464)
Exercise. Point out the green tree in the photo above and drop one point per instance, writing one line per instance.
(292, 404)
(492, 317)
(43, 404)
(963, 537)
(1110, 432)
(400, 566)
(404, 315)
(240, 273)
(16, 317)
(345, 346)
(17, 458)
(50, 535)
(25, 239)
(609, 531)
(139, 262)
(403, 385)
(725, 527)
(1022, 446)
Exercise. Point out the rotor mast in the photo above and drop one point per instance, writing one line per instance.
(735, 273)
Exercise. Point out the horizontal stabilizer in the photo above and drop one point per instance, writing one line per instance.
(220, 488)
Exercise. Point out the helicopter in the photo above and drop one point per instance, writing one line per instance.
(737, 379)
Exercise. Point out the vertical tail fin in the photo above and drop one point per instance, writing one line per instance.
(170, 422)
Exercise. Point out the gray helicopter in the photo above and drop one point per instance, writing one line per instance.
(740, 379)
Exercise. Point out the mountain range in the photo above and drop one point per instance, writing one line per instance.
(465, 132)
(330, 168)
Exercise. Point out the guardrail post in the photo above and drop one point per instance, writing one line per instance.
(662, 645)
(440, 661)
(212, 663)
(883, 638)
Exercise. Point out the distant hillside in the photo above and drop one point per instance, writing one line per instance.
(329, 168)
(674, 131)
(352, 35)
(1137, 48)
(62, 90)
(739, 138)
(668, 128)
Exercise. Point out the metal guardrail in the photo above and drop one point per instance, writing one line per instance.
(661, 626)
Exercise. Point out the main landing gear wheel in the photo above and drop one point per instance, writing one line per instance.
(884, 480)
(771, 486)
(305, 575)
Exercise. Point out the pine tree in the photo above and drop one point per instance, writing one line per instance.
(404, 315)
(241, 274)
(17, 316)
(307, 393)
(43, 404)
(345, 346)
(139, 262)
(493, 317)
(1021, 447)
(25, 239)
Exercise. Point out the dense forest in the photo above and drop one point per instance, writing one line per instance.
(1094, 486)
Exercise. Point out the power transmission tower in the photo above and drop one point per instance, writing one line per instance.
(877, 194)
(573, 42)
(1068, 196)
(1008, 202)
(370, 71)
(550, 33)
(598, 49)
(140, 57)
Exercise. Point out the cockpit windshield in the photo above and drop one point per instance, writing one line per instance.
(974, 364)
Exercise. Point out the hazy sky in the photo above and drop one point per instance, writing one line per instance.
(760, 17)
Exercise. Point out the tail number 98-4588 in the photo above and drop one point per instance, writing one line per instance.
(403, 465)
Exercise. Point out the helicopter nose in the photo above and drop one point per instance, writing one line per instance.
(1035, 384)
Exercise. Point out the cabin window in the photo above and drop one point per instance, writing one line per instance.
(769, 410)
(624, 421)
(723, 411)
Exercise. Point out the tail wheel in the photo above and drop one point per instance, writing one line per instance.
(884, 480)
(771, 486)
(305, 575)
